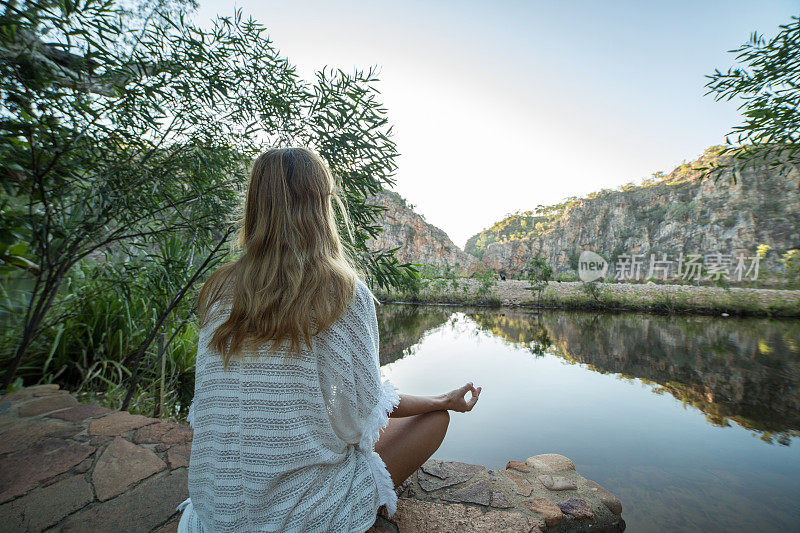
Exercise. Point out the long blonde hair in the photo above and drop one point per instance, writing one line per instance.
(294, 278)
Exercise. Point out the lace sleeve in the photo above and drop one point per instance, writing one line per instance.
(378, 398)
(358, 401)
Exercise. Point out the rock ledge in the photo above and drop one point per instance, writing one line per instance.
(65, 466)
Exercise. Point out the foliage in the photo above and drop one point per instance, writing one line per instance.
(487, 280)
(88, 344)
(519, 225)
(566, 277)
(592, 290)
(791, 262)
(539, 274)
(126, 137)
(412, 282)
(762, 250)
(573, 256)
(445, 284)
(768, 83)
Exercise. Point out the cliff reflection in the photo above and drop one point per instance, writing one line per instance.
(402, 326)
(736, 371)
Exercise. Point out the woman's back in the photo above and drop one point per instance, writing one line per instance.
(287, 444)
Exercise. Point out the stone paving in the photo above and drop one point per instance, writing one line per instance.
(71, 467)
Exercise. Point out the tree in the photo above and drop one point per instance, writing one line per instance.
(768, 83)
(791, 262)
(121, 129)
(539, 275)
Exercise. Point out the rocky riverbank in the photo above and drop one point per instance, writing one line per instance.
(543, 493)
(649, 297)
(66, 466)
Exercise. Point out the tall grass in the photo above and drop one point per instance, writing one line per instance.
(107, 307)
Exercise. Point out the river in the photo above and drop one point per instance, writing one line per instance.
(693, 422)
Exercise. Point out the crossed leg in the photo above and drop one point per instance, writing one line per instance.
(407, 442)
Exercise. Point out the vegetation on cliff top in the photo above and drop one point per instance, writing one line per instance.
(766, 82)
(540, 221)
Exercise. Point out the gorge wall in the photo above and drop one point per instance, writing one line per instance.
(418, 241)
(672, 214)
(669, 214)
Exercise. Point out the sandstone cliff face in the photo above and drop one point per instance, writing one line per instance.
(419, 241)
(679, 213)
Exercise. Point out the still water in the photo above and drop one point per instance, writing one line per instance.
(693, 422)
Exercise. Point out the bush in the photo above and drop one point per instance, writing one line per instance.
(592, 290)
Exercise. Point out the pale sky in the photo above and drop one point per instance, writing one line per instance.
(501, 106)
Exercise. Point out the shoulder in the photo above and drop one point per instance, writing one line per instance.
(363, 296)
(362, 304)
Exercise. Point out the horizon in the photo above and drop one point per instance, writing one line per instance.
(497, 109)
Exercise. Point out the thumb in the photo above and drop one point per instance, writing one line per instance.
(472, 401)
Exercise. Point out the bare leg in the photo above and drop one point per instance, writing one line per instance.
(407, 442)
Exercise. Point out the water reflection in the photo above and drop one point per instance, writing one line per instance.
(736, 371)
(639, 402)
(742, 371)
(401, 328)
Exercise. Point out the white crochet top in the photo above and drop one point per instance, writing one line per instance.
(289, 446)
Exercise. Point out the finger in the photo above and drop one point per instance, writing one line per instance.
(472, 401)
(463, 390)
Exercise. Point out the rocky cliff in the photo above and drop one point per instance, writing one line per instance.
(675, 213)
(418, 241)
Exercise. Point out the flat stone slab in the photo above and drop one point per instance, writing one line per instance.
(435, 475)
(142, 508)
(117, 423)
(121, 466)
(20, 437)
(478, 492)
(550, 462)
(518, 466)
(523, 486)
(500, 500)
(47, 404)
(178, 456)
(163, 432)
(549, 511)
(23, 471)
(576, 507)
(27, 392)
(557, 482)
(40, 393)
(45, 507)
(79, 413)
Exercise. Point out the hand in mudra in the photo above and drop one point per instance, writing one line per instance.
(455, 401)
